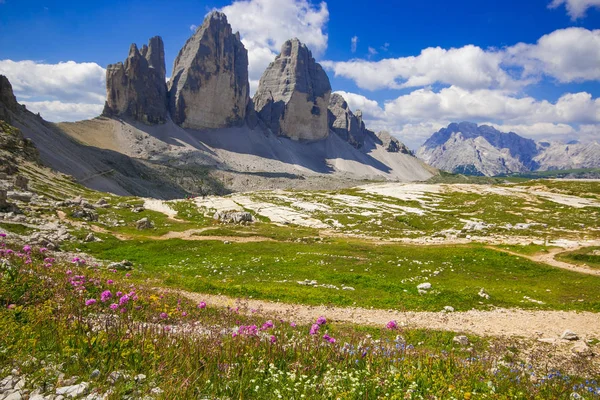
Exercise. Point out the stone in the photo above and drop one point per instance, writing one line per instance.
(102, 202)
(569, 335)
(424, 286)
(15, 395)
(344, 123)
(448, 309)
(21, 182)
(73, 391)
(91, 238)
(20, 196)
(483, 293)
(209, 86)
(391, 144)
(139, 378)
(85, 213)
(293, 95)
(95, 374)
(137, 88)
(143, 224)
(114, 377)
(233, 217)
(121, 265)
(8, 101)
(461, 339)
(582, 349)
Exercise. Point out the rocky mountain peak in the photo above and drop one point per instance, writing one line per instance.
(136, 88)
(209, 87)
(344, 123)
(7, 97)
(293, 94)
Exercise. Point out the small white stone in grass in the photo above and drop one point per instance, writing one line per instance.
(449, 309)
(461, 339)
(424, 286)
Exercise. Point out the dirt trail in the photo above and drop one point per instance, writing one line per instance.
(548, 258)
(499, 322)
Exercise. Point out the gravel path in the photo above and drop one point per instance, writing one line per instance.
(499, 322)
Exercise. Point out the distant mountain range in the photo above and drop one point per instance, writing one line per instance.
(470, 149)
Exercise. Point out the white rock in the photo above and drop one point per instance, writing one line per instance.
(449, 309)
(424, 286)
(461, 339)
(569, 335)
(73, 390)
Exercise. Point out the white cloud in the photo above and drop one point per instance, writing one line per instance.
(415, 116)
(468, 66)
(567, 55)
(57, 111)
(353, 44)
(65, 81)
(265, 25)
(575, 8)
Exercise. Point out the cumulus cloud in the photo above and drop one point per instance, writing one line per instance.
(415, 116)
(353, 44)
(57, 111)
(66, 91)
(265, 25)
(575, 8)
(65, 81)
(468, 66)
(567, 55)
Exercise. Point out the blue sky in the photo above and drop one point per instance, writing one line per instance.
(416, 66)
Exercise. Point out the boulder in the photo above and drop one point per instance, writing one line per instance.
(137, 88)
(143, 224)
(293, 95)
(84, 213)
(344, 123)
(569, 335)
(209, 87)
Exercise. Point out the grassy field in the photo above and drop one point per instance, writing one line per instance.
(382, 276)
(125, 339)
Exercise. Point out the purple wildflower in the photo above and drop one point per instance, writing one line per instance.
(114, 306)
(105, 296)
(272, 339)
(202, 305)
(314, 329)
(392, 325)
(267, 325)
(27, 248)
(123, 300)
(164, 315)
(321, 320)
(90, 302)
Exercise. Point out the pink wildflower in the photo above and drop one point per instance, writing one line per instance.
(2, 234)
(164, 315)
(43, 250)
(27, 248)
(184, 314)
(12, 306)
(267, 325)
(314, 329)
(273, 339)
(114, 306)
(392, 325)
(90, 302)
(292, 324)
(321, 320)
(69, 272)
(110, 281)
(202, 305)
(123, 300)
(105, 296)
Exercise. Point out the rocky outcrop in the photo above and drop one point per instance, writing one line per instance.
(209, 87)
(344, 123)
(8, 101)
(478, 150)
(293, 95)
(554, 156)
(137, 88)
(391, 144)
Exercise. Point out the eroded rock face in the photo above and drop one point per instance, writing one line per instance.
(391, 144)
(344, 123)
(209, 87)
(137, 87)
(293, 94)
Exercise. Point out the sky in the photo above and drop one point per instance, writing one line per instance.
(412, 67)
